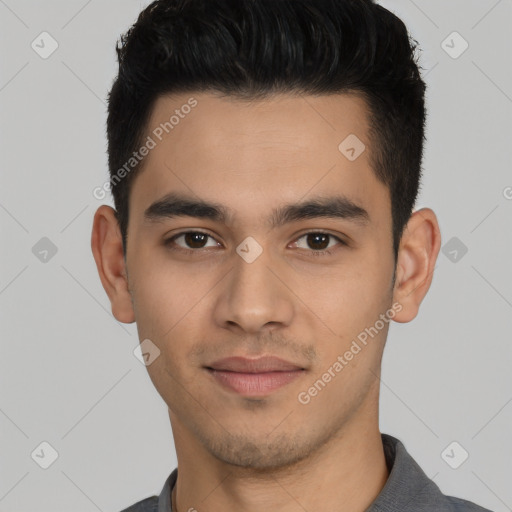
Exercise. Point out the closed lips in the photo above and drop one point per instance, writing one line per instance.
(263, 364)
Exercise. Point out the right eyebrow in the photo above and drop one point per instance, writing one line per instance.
(176, 205)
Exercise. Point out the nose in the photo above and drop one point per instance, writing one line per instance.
(254, 296)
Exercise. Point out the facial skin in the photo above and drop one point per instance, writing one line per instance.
(269, 452)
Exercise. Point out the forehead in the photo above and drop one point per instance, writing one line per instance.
(252, 155)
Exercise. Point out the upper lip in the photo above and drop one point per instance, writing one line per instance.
(259, 365)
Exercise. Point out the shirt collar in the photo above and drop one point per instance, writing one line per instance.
(406, 482)
(164, 500)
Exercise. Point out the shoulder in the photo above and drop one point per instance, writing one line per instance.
(147, 505)
(409, 488)
(156, 503)
(460, 505)
(431, 499)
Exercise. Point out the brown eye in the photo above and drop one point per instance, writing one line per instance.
(319, 242)
(195, 240)
(191, 240)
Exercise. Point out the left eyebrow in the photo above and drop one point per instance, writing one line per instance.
(338, 207)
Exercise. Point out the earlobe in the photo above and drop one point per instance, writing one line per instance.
(419, 248)
(107, 248)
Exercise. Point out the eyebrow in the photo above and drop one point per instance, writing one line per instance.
(337, 207)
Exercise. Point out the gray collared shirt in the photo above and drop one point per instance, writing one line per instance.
(407, 489)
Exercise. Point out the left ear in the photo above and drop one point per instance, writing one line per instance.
(417, 255)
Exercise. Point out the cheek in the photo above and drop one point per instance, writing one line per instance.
(170, 300)
(352, 294)
(350, 301)
(160, 296)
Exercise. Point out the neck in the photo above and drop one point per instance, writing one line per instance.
(346, 474)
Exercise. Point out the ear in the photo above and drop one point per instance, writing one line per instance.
(107, 248)
(417, 255)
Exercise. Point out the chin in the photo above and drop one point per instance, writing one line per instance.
(262, 454)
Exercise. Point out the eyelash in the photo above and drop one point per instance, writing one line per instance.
(326, 252)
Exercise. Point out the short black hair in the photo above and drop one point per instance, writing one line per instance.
(250, 49)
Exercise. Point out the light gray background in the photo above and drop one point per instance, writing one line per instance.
(68, 375)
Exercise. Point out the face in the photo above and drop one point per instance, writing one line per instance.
(258, 274)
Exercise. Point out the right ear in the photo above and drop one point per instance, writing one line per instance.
(107, 248)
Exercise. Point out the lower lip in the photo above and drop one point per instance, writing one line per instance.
(254, 384)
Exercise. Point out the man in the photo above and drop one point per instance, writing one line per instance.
(265, 159)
